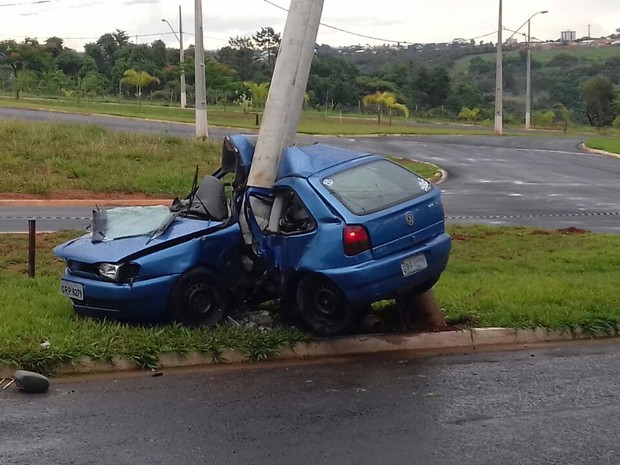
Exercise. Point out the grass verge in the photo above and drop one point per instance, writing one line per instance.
(43, 159)
(514, 277)
(608, 144)
(310, 123)
(68, 161)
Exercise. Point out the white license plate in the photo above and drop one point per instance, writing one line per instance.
(73, 290)
(413, 264)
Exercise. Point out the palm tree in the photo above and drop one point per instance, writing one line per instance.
(259, 96)
(385, 100)
(139, 79)
(470, 114)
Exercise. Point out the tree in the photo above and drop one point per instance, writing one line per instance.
(564, 113)
(10, 55)
(54, 46)
(599, 97)
(335, 81)
(470, 114)
(259, 96)
(543, 119)
(26, 81)
(139, 79)
(220, 79)
(387, 100)
(267, 39)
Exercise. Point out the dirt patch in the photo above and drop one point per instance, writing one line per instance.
(572, 231)
(459, 237)
(541, 232)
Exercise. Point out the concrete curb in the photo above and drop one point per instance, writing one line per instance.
(587, 149)
(426, 343)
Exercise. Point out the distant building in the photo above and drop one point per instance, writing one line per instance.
(568, 36)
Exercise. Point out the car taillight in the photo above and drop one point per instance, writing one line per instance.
(355, 238)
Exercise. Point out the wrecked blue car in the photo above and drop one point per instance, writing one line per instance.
(338, 231)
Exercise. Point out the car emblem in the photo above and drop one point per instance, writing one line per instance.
(409, 218)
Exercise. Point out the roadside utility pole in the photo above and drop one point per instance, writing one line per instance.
(201, 85)
(499, 93)
(528, 81)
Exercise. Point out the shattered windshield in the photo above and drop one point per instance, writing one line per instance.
(121, 222)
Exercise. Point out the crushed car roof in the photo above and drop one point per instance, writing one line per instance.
(310, 159)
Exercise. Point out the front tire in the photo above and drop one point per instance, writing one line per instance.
(324, 308)
(199, 298)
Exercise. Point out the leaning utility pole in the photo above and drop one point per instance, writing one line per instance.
(286, 93)
(201, 86)
(281, 117)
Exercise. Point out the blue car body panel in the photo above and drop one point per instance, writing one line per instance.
(302, 162)
(187, 243)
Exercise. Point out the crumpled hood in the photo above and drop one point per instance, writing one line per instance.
(84, 250)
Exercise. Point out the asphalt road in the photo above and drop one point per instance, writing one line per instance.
(533, 181)
(553, 406)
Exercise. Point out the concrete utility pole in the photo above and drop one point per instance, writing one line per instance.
(286, 93)
(281, 117)
(528, 81)
(201, 85)
(499, 92)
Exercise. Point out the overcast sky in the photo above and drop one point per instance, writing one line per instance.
(409, 21)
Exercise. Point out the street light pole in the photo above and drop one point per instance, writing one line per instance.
(182, 62)
(528, 83)
(499, 94)
(181, 57)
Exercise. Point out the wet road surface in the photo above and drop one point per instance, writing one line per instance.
(557, 405)
(531, 181)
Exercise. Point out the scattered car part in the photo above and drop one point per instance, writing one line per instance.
(27, 381)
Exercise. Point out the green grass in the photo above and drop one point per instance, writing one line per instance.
(608, 144)
(515, 277)
(544, 56)
(34, 312)
(45, 159)
(523, 277)
(426, 170)
(311, 122)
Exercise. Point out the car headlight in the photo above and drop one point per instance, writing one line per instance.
(118, 272)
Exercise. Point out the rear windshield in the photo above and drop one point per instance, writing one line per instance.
(374, 186)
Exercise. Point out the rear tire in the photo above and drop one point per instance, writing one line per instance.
(199, 298)
(324, 308)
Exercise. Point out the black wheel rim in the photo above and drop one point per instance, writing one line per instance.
(328, 305)
(201, 300)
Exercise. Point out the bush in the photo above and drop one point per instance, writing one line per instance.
(543, 119)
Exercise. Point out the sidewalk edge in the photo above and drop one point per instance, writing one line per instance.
(427, 343)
